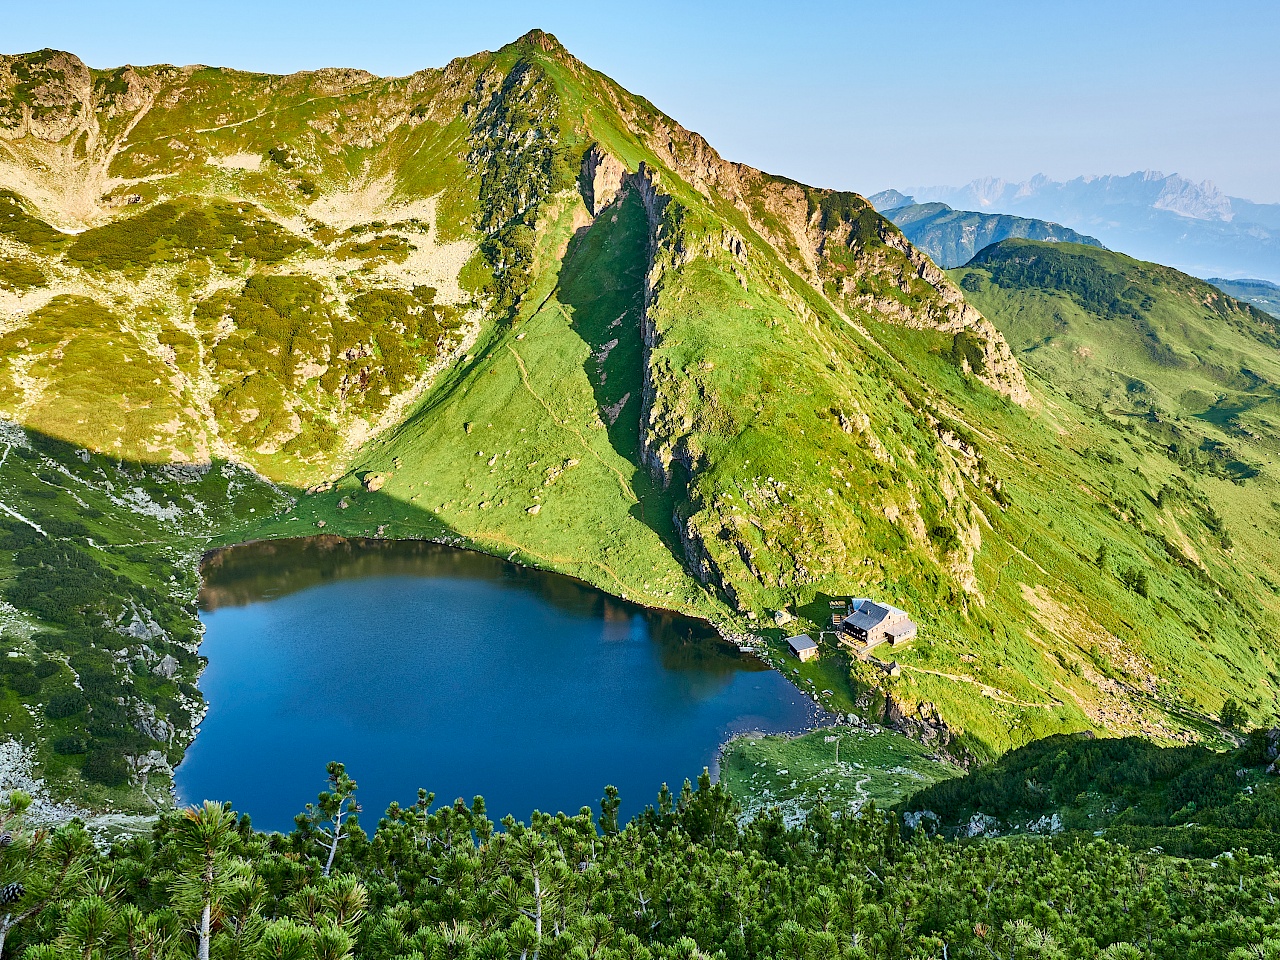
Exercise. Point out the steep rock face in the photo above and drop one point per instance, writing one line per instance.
(65, 126)
(1199, 201)
(686, 413)
(665, 432)
(51, 94)
(923, 722)
(870, 263)
(684, 410)
(602, 175)
(656, 447)
(950, 313)
(668, 445)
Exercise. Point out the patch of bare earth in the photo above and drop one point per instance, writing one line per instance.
(237, 161)
(372, 200)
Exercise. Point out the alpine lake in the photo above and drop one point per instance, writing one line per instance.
(421, 665)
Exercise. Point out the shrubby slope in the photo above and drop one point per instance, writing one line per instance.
(682, 880)
(1189, 801)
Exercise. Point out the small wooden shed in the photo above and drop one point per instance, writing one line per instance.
(803, 647)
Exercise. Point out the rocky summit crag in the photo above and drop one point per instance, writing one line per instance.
(510, 305)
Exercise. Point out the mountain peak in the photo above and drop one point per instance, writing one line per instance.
(1157, 216)
(1199, 201)
(890, 200)
(34, 65)
(544, 41)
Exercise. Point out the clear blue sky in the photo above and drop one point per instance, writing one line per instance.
(857, 95)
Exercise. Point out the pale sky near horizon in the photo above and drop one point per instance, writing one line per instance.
(855, 95)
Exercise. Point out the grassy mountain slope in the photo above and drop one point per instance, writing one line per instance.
(509, 304)
(952, 237)
(842, 768)
(1168, 357)
(1132, 336)
(1180, 381)
(1260, 293)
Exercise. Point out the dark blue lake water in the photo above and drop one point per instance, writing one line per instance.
(424, 666)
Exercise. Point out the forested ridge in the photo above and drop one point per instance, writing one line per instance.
(684, 879)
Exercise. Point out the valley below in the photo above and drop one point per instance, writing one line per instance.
(464, 516)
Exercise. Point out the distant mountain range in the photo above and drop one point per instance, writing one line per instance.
(1167, 219)
(952, 237)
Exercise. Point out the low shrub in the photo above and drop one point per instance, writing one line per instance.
(70, 745)
(107, 767)
(64, 705)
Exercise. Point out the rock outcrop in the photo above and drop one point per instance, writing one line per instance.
(796, 221)
(139, 624)
(602, 176)
(949, 313)
(166, 668)
(50, 94)
(152, 725)
(924, 723)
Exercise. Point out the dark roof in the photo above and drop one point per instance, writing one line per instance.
(893, 611)
(802, 642)
(868, 617)
(868, 614)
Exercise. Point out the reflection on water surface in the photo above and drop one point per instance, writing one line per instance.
(422, 665)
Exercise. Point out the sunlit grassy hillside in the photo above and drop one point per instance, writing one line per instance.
(508, 304)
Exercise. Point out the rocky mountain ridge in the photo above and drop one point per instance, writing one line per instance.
(1174, 193)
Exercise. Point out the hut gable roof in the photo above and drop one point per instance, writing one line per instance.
(868, 614)
(801, 642)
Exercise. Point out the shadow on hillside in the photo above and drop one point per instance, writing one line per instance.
(819, 610)
(268, 541)
(94, 549)
(602, 285)
(126, 514)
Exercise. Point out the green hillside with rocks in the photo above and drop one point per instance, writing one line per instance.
(1187, 801)
(1260, 293)
(509, 305)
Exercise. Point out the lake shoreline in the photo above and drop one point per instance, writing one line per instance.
(724, 633)
(616, 684)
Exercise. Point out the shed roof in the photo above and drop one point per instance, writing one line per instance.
(802, 642)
